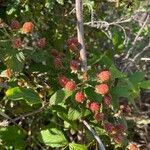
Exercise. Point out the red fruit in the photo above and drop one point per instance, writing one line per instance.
(120, 128)
(41, 43)
(80, 97)
(54, 53)
(63, 80)
(94, 106)
(58, 63)
(104, 76)
(99, 116)
(17, 43)
(74, 65)
(70, 85)
(27, 27)
(15, 24)
(118, 138)
(133, 146)
(107, 100)
(102, 89)
(73, 44)
(72, 40)
(109, 128)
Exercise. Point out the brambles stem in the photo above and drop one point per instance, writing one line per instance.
(80, 33)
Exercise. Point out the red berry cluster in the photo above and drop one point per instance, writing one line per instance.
(28, 27)
(58, 56)
(115, 131)
(66, 83)
(107, 100)
(74, 65)
(17, 43)
(41, 43)
(103, 88)
(15, 24)
(104, 76)
(73, 44)
(80, 97)
(70, 85)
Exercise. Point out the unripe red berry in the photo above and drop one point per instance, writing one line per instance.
(94, 106)
(120, 128)
(70, 86)
(99, 116)
(107, 100)
(63, 80)
(109, 128)
(17, 43)
(74, 65)
(73, 44)
(58, 62)
(118, 138)
(41, 43)
(102, 89)
(54, 53)
(27, 27)
(15, 24)
(104, 76)
(133, 146)
(80, 97)
(72, 40)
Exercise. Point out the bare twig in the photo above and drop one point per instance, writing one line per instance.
(28, 114)
(101, 145)
(80, 32)
(141, 52)
(105, 25)
(145, 59)
(13, 121)
(136, 38)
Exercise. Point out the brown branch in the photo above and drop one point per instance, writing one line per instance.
(80, 33)
(136, 38)
(29, 114)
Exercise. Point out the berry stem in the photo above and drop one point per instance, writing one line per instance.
(80, 33)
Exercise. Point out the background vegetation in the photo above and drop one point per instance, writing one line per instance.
(35, 111)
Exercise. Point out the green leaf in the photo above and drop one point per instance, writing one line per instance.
(121, 91)
(136, 77)
(115, 39)
(91, 94)
(15, 61)
(116, 73)
(12, 136)
(145, 84)
(60, 2)
(53, 138)
(39, 56)
(89, 4)
(73, 114)
(18, 93)
(74, 146)
(60, 96)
